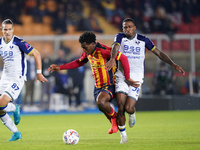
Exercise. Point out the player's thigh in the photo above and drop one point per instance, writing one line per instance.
(12, 88)
(130, 104)
(105, 93)
(121, 100)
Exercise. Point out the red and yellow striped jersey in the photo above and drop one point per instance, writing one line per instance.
(98, 60)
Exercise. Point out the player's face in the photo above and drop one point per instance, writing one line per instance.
(129, 29)
(88, 48)
(7, 30)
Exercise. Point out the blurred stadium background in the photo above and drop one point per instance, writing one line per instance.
(174, 27)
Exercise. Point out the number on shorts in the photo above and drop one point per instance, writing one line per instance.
(136, 89)
(15, 87)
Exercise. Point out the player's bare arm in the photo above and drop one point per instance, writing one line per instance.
(38, 62)
(114, 51)
(132, 83)
(53, 68)
(164, 57)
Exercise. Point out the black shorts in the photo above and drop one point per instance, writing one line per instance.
(110, 89)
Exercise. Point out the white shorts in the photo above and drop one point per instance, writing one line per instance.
(122, 87)
(12, 87)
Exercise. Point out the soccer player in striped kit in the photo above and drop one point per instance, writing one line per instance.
(13, 50)
(98, 54)
(132, 45)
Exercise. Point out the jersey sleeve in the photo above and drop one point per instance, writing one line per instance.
(24, 46)
(118, 38)
(76, 63)
(149, 44)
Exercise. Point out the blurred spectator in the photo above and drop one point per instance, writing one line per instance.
(77, 76)
(47, 87)
(39, 11)
(148, 6)
(62, 82)
(174, 14)
(59, 24)
(186, 10)
(109, 8)
(11, 9)
(164, 81)
(30, 85)
(136, 14)
(90, 23)
(196, 87)
(51, 8)
(160, 22)
(74, 10)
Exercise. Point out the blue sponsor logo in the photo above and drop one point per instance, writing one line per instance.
(132, 50)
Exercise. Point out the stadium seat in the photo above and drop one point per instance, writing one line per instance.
(195, 28)
(184, 28)
(197, 44)
(165, 45)
(176, 45)
(195, 20)
(185, 45)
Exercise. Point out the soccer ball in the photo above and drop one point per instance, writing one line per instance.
(70, 137)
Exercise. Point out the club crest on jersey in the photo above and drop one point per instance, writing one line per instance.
(11, 47)
(137, 42)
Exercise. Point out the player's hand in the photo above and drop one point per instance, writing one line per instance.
(111, 63)
(179, 69)
(41, 78)
(53, 68)
(132, 83)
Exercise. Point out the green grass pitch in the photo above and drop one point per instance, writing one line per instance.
(154, 130)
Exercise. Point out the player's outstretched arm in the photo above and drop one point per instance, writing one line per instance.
(179, 68)
(164, 57)
(53, 68)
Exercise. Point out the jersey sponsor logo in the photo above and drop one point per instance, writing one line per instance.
(6, 53)
(132, 50)
(96, 66)
(27, 46)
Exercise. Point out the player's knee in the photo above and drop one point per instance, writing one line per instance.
(100, 103)
(4, 100)
(129, 109)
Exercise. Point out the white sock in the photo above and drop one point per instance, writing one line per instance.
(10, 107)
(122, 130)
(8, 122)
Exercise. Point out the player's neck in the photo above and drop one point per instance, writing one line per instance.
(7, 40)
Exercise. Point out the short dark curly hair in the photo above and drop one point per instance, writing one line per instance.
(128, 19)
(88, 37)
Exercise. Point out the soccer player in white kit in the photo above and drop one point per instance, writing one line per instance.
(13, 50)
(132, 45)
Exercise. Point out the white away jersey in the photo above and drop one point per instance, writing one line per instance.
(13, 54)
(134, 49)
